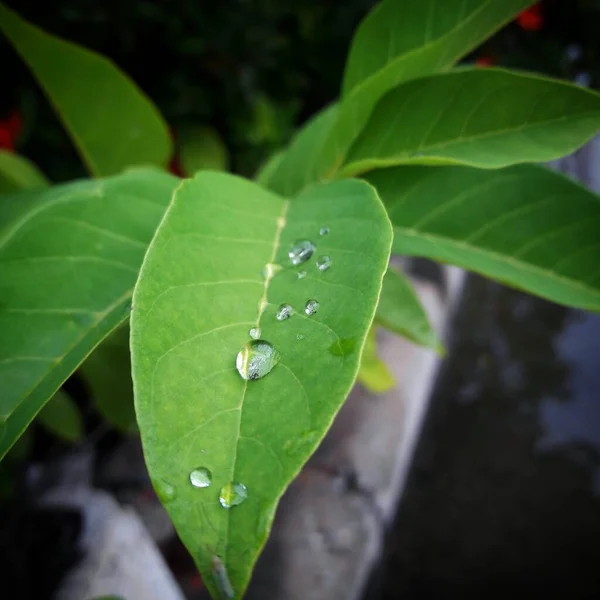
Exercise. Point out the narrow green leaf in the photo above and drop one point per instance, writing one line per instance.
(112, 123)
(201, 148)
(524, 226)
(199, 293)
(107, 372)
(69, 257)
(462, 118)
(374, 373)
(402, 40)
(401, 311)
(266, 170)
(19, 173)
(62, 417)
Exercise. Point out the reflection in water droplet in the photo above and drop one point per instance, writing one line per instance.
(312, 306)
(165, 491)
(254, 333)
(324, 231)
(299, 336)
(256, 359)
(221, 577)
(285, 311)
(232, 494)
(343, 347)
(269, 270)
(323, 263)
(201, 477)
(301, 274)
(301, 251)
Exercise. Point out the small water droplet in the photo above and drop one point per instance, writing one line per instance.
(201, 477)
(312, 306)
(324, 231)
(222, 578)
(254, 333)
(165, 491)
(285, 311)
(301, 274)
(299, 336)
(269, 270)
(323, 263)
(256, 359)
(232, 494)
(343, 347)
(301, 251)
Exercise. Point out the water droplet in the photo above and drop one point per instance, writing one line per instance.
(232, 494)
(269, 270)
(323, 263)
(299, 336)
(165, 491)
(222, 578)
(301, 251)
(285, 311)
(254, 333)
(301, 274)
(312, 306)
(324, 231)
(342, 347)
(256, 359)
(201, 477)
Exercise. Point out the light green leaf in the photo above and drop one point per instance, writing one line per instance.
(300, 163)
(19, 173)
(200, 292)
(61, 417)
(374, 373)
(400, 310)
(107, 372)
(201, 148)
(402, 40)
(69, 257)
(112, 123)
(524, 226)
(487, 118)
(266, 170)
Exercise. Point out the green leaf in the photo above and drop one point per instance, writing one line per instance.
(201, 148)
(462, 118)
(266, 170)
(62, 417)
(69, 258)
(107, 371)
(402, 40)
(112, 123)
(524, 226)
(19, 173)
(400, 310)
(374, 373)
(197, 297)
(300, 163)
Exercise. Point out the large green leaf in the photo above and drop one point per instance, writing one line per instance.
(485, 118)
(69, 257)
(401, 311)
(18, 173)
(112, 123)
(199, 293)
(401, 40)
(524, 226)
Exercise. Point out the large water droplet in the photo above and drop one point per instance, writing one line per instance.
(301, 251)
(201, 477)
(256, 359)
(254, 333)
(312, 306)
(324, 231)
(232, 494)
(323, 263)
(301, 274)
(222, 578)
(285, 311)
(165, 491)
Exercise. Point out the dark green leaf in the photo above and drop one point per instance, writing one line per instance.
(18, 173)
(200, 292)
(62, 417)
(201, 148)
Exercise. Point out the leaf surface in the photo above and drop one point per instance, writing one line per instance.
(524, 226)
(374, 374)
(199, 294)
(111, 121)
(462, 118)
(19, 173)
(69, 258)
(61, 417)
(201, 147)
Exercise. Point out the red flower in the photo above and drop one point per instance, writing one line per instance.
(9, 130)
(531, 19)
(485, 61)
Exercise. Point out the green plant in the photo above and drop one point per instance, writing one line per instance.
(255, 301)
